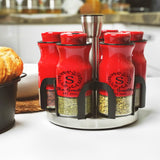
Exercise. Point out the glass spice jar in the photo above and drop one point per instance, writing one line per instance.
(91, 7)
(54, 6)
(30, 6)
(73, 71)
(117, 70)
(139, 60)
(106, 7)
(7, 6)
(19, 6)
(120, 6)
(47, 63)
(42, 6)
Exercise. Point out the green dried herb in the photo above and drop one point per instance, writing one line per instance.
(68, 106)
(123, 105)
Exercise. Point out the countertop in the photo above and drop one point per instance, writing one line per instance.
(34, 138)
(146, 18)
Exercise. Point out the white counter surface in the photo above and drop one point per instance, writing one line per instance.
(34, 138)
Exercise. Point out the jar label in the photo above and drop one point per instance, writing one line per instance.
(69, 83)
(122, 83)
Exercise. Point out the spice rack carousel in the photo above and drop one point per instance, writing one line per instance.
(96, 104)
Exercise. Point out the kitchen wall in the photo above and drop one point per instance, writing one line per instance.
(23, 39)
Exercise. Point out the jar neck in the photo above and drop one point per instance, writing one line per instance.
(48, 49)
(74, 53)
(139, 48)
(109, 51)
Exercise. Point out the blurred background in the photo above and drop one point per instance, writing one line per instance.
(23, 21)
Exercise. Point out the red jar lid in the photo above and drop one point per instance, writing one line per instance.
(112, 30)
(73, 38)
(117, 38)
(51, 36)
(136, 35)
(106, 31)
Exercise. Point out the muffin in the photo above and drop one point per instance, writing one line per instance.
(11, 65)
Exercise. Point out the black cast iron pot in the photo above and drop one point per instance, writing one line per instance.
(8, 92)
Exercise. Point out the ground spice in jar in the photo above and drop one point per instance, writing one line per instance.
(72, 72)
(68, 106)
(117, 70)
(122, 105)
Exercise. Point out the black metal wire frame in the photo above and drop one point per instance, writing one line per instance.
(95, 85)
(141, 81)
(133, 100)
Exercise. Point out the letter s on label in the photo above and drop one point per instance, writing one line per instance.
(119, 80)
(69, 79)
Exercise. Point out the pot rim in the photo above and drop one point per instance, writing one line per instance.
(17, 79)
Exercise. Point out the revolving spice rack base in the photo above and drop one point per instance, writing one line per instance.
(95, 120)
(91, 123)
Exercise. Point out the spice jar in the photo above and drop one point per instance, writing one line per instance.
(91, 7)
(54, 6)
(139, 61)
(47, 63)
(42, 6)
(73, 71)
(7, 6)
(120, 6)
(30, 6)
(19, 6)
(106, 7)
(117, 70)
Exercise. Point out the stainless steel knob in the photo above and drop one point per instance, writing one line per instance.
(92, 25)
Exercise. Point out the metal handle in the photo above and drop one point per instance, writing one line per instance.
(23, 75)
(141, 81)
(95, 85)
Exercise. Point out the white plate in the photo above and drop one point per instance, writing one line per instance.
(28, 86)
